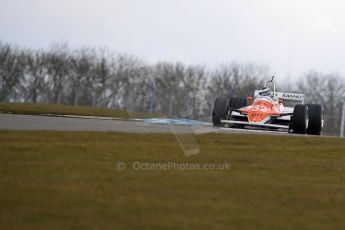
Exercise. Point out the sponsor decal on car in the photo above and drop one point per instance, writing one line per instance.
(290, 96)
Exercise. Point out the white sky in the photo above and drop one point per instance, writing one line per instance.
(292, 36)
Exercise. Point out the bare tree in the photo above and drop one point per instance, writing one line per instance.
(11, 71)
(35, 81)
(81, 64)
(124, 75)
(58, 65)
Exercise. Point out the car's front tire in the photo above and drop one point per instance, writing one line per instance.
(300, 119)
(219, 111)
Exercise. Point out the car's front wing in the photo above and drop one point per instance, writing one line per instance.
(262, 125)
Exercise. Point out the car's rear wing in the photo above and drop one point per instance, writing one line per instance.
(295, 97)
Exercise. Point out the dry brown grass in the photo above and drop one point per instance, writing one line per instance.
(53, 109)
(61, 180)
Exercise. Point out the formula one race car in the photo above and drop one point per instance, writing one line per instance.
(267, 111)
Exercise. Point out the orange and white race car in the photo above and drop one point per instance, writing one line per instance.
(267, 111)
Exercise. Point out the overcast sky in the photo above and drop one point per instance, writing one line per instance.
(292, 36)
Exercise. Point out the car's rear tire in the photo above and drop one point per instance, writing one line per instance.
(219, 111)
(315, 113)
(237, 102)
(300, 119)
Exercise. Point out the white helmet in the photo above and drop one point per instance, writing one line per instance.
(265, 91)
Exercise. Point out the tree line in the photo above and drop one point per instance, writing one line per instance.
(101, 78)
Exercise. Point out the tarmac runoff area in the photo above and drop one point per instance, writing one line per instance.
(75, 123)
(84, 123)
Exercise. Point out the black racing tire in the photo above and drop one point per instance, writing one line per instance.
(237, 102)
(315, 113)
(219, 111)
(300, 119)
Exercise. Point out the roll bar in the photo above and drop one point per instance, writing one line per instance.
(273, 83)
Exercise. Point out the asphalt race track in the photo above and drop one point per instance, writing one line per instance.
(57, 123)
(30, 122)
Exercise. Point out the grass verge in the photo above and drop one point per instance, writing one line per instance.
(69, 180)
(39, 109)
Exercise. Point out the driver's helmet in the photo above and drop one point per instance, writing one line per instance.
(265, 91)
